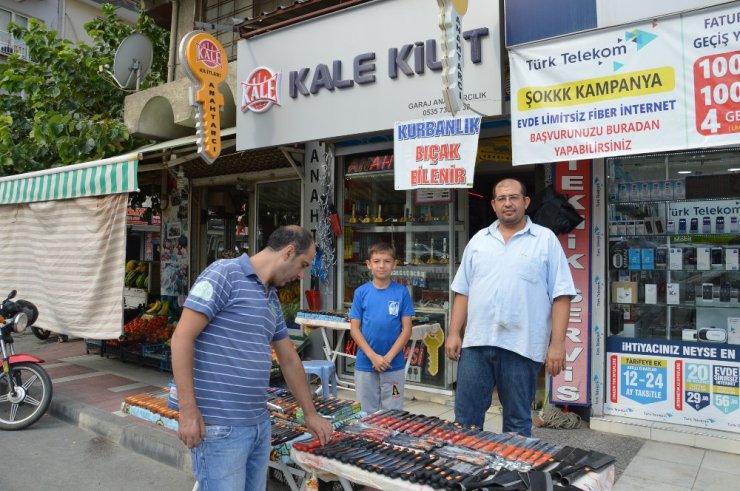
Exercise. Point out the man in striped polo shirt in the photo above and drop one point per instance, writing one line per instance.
(221, 359)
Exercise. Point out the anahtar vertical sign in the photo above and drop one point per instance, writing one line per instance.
(450, 22)
(204, 61)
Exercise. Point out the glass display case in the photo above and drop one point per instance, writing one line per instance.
(673, 247)
(426, 227)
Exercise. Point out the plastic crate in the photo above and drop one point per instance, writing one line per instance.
(94, 346)
(112, 349)
(131, 353)
(157, 355)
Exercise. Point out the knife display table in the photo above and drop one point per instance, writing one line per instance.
(397, 450)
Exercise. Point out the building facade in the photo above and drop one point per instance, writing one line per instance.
(327, 145)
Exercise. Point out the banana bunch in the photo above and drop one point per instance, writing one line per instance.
(158, 308)
(154, 308)
(164, 308)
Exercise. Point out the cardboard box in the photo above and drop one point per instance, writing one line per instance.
(673, 293)
(629, 330)
(733, 330)
(651, 293)
(624, 292)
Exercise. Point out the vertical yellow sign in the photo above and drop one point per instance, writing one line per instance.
(204, 61)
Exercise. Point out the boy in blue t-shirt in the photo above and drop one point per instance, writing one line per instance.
(380, 320)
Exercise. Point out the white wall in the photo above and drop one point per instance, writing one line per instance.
(44, 10)
(80, 12)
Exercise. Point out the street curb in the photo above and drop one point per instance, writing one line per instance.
(164, 448)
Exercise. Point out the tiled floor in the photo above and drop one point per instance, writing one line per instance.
(671, 467)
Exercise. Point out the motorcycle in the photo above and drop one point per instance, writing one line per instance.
(42, 334)
(25, 387)
(33, 313)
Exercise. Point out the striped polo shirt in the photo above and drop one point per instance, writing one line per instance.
(233, 356)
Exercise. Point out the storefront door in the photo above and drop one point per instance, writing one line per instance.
(278, 204)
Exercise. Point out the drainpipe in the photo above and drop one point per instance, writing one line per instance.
(171, 62)
(61, 11)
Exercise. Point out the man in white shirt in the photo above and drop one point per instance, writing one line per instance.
(512, 293)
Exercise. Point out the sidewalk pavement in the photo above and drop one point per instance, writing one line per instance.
(89, 390)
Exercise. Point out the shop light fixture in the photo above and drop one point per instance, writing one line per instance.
(733, 169)
(684, 172)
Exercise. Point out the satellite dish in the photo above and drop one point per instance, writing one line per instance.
(133, 61)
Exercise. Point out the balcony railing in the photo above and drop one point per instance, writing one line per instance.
(7, 48)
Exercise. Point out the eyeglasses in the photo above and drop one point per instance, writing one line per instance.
(514, 198)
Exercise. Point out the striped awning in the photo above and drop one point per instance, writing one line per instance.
(98, 178)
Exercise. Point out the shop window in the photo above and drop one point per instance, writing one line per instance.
(426, 228)
(674, 246)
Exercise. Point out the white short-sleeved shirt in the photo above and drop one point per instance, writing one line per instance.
(511, 287)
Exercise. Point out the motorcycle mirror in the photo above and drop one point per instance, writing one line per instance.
(12, 294)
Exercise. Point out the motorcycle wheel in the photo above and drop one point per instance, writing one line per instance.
(32, 399)
(40, 333)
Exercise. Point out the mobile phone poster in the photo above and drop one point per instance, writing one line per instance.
(693, 384)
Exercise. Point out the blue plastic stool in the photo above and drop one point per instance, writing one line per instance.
(325, 370)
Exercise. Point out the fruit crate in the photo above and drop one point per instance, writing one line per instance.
(94, 346)
(112, 349)
(131, 352)
(157, 355)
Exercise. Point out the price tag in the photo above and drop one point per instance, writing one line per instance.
(697, 384)
(717, 93)
(644, 379)
(726, 394)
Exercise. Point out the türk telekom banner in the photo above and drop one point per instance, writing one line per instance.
(668, 84)
(433, 153)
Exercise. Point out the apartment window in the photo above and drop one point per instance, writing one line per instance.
(8, 44)
(224, 14)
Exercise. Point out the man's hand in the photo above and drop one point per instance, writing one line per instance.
(555, 362)
(319, 427)
(453, 346)
(192, 429)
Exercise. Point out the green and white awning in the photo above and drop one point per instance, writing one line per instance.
(98, 178)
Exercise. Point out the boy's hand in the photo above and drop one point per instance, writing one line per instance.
(379, 363)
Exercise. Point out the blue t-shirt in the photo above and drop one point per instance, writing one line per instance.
(233, 355)
(380, 313)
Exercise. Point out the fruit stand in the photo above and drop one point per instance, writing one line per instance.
(146, 338)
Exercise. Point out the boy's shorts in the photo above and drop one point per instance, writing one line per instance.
(379, 390)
